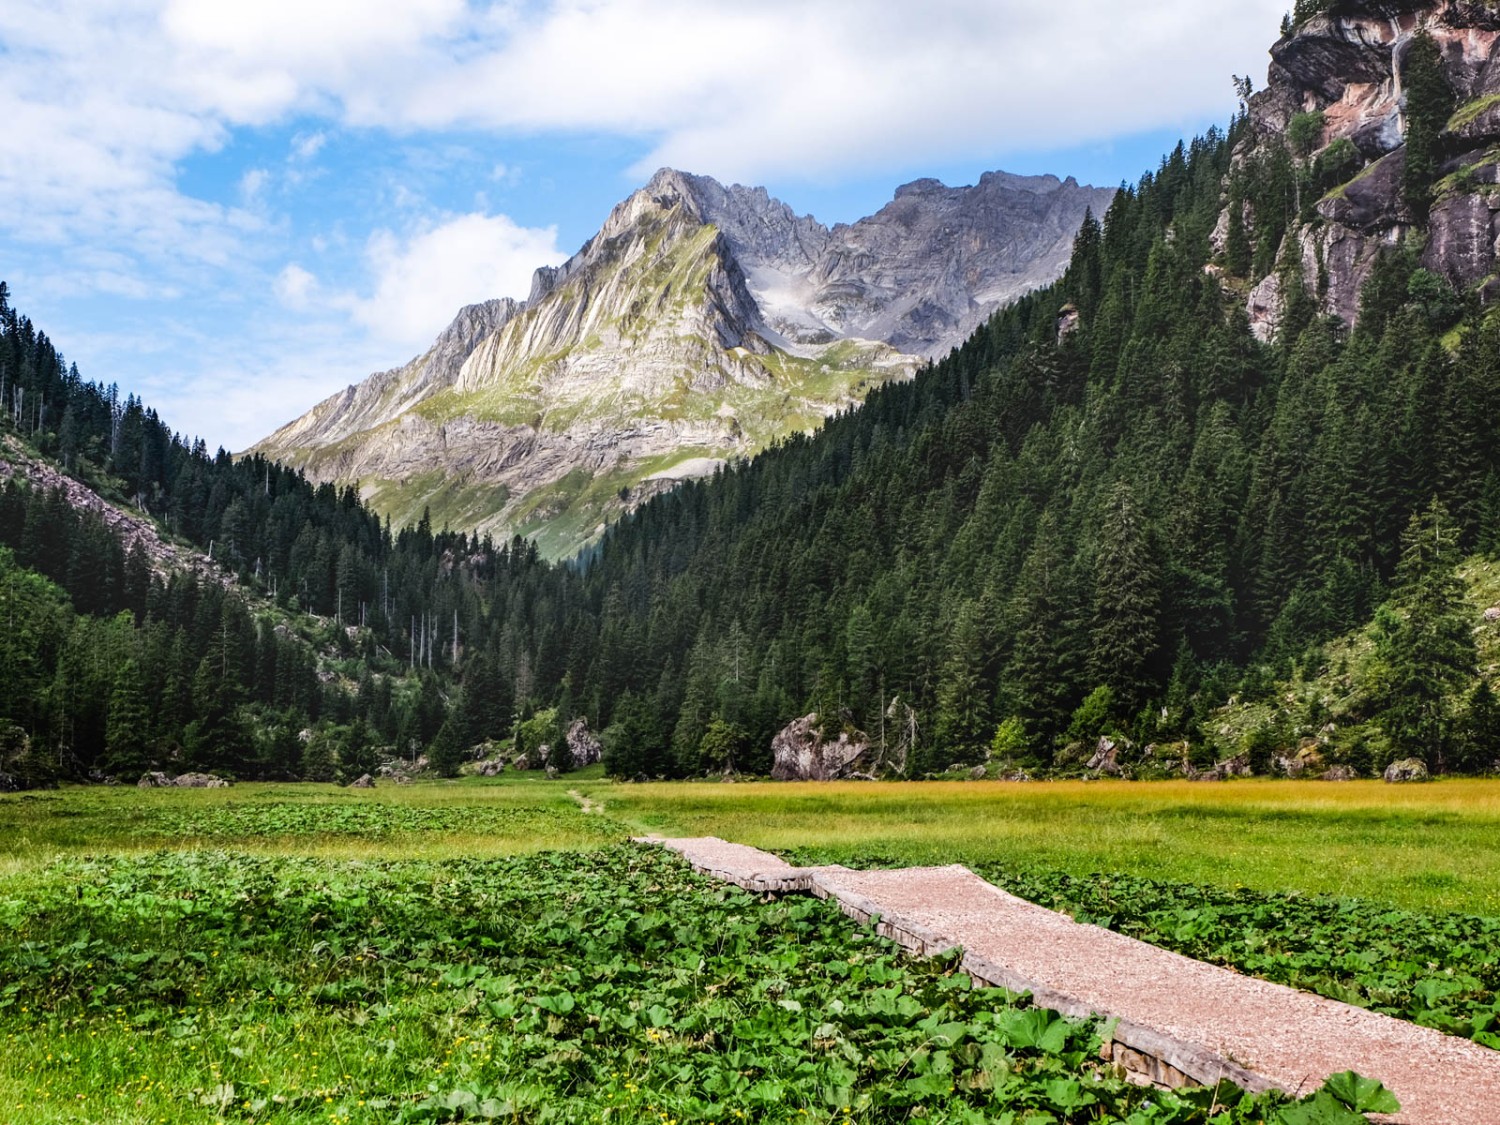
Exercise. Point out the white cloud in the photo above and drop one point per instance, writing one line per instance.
(295, 286)
(252, 183)
(252, 62)
(789, 87)
(305, 146)
(423, 279)
(103, 99)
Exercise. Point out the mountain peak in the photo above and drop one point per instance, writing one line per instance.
(700, 324)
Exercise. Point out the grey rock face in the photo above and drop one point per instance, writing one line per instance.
(801, 752)
(921, 274)
(387, 395)
(1461, 238)
(929, 267)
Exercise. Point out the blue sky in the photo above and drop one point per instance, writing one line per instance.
(235, 210)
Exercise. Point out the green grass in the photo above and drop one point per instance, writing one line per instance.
(614, 986)
(1434, 847)
(1471, 110)
(450, 950)
(510, 815)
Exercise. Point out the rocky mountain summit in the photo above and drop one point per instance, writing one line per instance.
(700, 324)
(1341, 92)
(920, 274)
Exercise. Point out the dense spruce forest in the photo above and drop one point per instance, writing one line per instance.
(1110, 510)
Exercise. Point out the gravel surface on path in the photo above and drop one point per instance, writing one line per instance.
(1292, 1039)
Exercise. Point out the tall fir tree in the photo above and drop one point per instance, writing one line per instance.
(1125, 639)
(1426, 646)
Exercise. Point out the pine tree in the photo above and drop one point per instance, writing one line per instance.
(1479, 747)
(963, 725)
(1039, 684)
(1125, 639)
(446, 751)
(1426, 646)
(320, 755)
(357, 752)
(127, 739)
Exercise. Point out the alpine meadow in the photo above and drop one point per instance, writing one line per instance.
(586, 720)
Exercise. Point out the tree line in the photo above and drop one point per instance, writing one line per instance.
(1111, 508)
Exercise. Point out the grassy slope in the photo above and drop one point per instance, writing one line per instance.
(1432, 847)
(1336, 689)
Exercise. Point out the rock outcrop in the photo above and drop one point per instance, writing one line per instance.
(1106, 757)
(1342, 72)
(132, 528)
(699, 325)
(920, 274)
(585, 749)
(155, 779)
(801, 751)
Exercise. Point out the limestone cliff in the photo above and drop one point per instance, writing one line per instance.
(1341, 74)
(699, 325)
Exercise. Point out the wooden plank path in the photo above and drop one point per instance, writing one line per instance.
(1176, 1021)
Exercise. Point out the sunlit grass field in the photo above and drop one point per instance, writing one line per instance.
(1425, 847)
(436, 820)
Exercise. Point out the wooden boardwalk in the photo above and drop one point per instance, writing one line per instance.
(1176, 1021)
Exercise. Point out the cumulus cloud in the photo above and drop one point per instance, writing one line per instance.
(792, 88)
(424, 278)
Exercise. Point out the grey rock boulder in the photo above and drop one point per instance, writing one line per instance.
(802, 752)
(582, 744)
(1406, 770)
(199, 781)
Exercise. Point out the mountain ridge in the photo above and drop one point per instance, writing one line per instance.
(700, 324)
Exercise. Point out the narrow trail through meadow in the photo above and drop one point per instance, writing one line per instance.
(586, 804)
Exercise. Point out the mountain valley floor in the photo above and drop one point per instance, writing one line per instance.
(494, 949)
